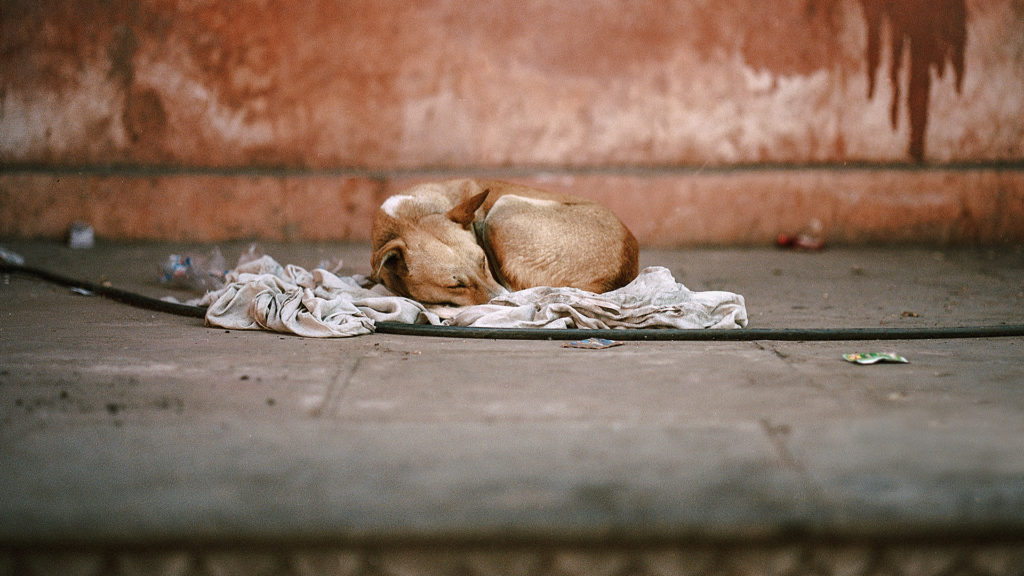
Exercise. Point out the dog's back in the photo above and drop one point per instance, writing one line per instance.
(428, 242)
(543, 239)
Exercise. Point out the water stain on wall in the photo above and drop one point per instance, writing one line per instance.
(143, 116)
(771, 43)
(931, 34)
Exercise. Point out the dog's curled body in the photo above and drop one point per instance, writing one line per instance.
(462, 242)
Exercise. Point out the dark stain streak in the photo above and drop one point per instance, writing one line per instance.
(932, 33)
(121, 55)
(144, 116)
(778, 435)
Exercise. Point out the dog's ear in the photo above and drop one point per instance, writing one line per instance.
(465, 212)
(390, 256)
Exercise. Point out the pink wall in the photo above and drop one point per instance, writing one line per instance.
(719, 122)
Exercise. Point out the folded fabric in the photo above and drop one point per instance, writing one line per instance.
(653, 300)
(262, 294)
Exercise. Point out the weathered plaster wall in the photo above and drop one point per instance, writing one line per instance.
(214, 119)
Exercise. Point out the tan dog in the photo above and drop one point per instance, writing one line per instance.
(462, 242)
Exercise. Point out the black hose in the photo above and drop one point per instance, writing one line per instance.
(123, 296)
(744, 335)
(398, 328)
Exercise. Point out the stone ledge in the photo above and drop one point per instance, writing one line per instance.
(795, 559)
(663, 208)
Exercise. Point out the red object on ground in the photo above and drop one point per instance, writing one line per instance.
(801, 241)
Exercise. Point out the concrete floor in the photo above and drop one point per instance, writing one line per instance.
(124, 429)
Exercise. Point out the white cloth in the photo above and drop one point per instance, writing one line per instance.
(652, 300)
(262, 294)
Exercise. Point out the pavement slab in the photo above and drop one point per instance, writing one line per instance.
(150, 438)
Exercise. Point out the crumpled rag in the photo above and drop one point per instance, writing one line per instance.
(264, 295)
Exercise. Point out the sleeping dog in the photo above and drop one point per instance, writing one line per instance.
(463, 242)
